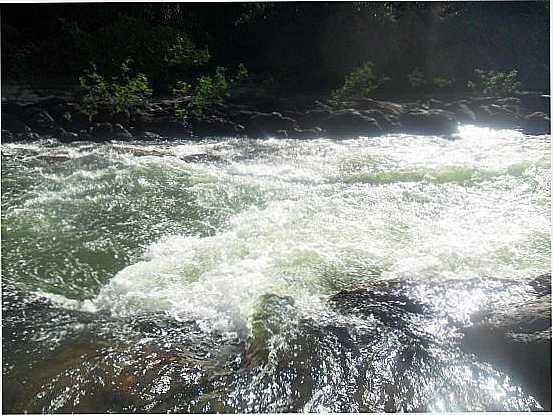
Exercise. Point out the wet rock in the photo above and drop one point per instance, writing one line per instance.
(115, 117)
(462, 111)
(313, 118)
(12, 108)
(349, 122)
(382, 106)
(509, 327)
(14, 124)
(497, 116)
(140, 152)
(322, 106)
(388, 305)
(149, 135)
(393, 350)
(41, 121)
(517, 339)
(541, 284)
(477, 101)
(102, 131)
(267, 124)
(293, 114)
(65, 136)
(200, 158)
(306, 134)
(281, 134)
(102, 365)
(85, 135)
(510, 103)
(73, 117)
(537, 123)
(7, 136)
(216, 126)
(388, 122)
(435, 103)
(166, 126)
(428, 122)
(121, 132)
(389, 346)
(534, 102)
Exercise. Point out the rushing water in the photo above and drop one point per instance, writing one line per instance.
(141, 268)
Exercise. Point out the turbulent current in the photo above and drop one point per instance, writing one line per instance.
(201, 276)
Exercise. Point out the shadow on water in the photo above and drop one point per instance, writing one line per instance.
(473, 345)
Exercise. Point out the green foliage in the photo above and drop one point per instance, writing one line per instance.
(416, 78)
(361, 82)
(121, 94)
(418, 81)
(161, 51)
(442, 83)
(241, 73)
(495, 83)
(207, 90)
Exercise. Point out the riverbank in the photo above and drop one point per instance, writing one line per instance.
(256, 116)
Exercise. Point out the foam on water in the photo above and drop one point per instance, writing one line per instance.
(308, 218)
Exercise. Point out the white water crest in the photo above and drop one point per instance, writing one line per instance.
(339, 214)
(307, 219)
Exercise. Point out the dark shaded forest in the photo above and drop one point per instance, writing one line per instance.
(293, 46)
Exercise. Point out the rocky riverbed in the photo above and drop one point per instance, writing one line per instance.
(397, 346)
(259, 117)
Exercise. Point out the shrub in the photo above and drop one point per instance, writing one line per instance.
(207, 90)
(418, 81)
(122, 94)
(442, 83)
(416, 78)
(361, 82)
(495, 83)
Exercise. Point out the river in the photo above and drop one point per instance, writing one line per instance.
(134, 275)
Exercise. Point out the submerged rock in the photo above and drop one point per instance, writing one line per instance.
(428, 122)
(13, 124)
(508, 324)
(537, 123)
(517, 338)
(362, 116)
(534, 102)
(306, 134)
(265, 124)
(216, 126)
(349, 122)
(391, 346)
(104, 364)
(498, 116)
(200, 158)
(314, 118)
(41, 121)
(164, 125)
(462, 111)
(102, 131)
(120, 132)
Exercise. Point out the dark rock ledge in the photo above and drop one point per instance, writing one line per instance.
(62, 119)
(403, 345)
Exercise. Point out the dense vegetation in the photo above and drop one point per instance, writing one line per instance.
(386, 47)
